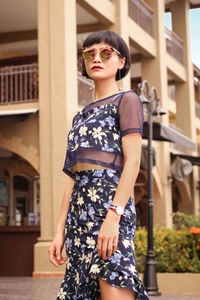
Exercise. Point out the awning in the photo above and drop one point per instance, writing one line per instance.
(17, 113)
(195, 160)
(164, 133)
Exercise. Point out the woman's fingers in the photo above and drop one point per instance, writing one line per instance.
(110, 248)
(104, 248)
(58, 254)
(115, 244)
(99, 244)
(52, 256)
(56, 257)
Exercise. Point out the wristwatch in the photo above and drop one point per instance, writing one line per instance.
(118, 209)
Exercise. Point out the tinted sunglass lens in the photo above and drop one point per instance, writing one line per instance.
(88, 55)
(106, 53)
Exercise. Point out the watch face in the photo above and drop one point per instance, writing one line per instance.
(120, 210)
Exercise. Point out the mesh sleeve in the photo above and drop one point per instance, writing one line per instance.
(65, 169)
(131, 114)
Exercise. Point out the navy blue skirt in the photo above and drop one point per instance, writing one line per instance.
(91, 197)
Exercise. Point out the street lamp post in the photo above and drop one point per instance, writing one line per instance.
(150, 279)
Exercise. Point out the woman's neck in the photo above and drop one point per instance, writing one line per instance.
(104, 89)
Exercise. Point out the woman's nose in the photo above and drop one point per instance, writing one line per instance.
(97, 57)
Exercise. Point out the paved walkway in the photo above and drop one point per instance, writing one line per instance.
(28, 288)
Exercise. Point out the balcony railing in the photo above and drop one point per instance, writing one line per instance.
(141, 14)
(197, 109)
(19, 84)
(174, 45)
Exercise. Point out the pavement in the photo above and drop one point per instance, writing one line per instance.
(29, 288)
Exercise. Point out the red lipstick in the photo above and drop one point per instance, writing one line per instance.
(96, 67)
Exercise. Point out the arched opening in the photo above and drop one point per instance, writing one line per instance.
(19, 214)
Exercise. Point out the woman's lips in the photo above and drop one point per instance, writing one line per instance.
(97, 68)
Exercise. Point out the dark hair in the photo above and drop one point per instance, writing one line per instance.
(112, 38)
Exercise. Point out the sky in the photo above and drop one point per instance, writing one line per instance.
(194, 18)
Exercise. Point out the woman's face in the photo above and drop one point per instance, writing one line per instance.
(109, 66)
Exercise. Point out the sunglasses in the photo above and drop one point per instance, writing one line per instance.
(104, 52)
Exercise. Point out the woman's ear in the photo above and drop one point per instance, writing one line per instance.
(122, 62)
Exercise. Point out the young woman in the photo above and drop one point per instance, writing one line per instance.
(98, 218)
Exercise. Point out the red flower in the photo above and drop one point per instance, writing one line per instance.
(195, 230)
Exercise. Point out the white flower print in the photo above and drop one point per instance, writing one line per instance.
(90, 225)
(95, 269)
(132, 269)
(126, 243)
(88, 258)
(68, 264)
(71, 136)
(90, 242)
(80, 200)
(80, 230)
(114, 109)
(83, 130)
(75, 147)
(97, 133)
(77, 241)
(115, 136)
(83, 257)
(132, 279)
(77, 278)
(92, 194)
(61, 294)
(132, 245)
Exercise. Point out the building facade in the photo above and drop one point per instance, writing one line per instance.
(41, 88)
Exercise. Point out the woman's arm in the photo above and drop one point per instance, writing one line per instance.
(55, 250)
(132, 145)
(108, 234)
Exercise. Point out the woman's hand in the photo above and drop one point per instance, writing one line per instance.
(108, 235)
(55, 250)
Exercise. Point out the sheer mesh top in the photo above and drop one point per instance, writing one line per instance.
(97, 131)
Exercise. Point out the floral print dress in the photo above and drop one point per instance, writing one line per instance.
(92, 194)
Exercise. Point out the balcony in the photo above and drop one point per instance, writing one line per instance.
(141, 13)
(19, 84)
(174, 46)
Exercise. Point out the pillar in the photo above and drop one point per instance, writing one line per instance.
(185, 98)
(57, 52)
(154, 70)
(120, 26)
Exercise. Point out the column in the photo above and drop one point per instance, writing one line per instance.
(121, 8)
(57, 52)
(154, 70)
(185, 99)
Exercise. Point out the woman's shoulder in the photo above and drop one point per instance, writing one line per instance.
(129, 96)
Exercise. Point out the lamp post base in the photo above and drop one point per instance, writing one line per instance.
(150, 279)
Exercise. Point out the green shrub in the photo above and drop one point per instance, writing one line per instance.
(182, 220)
(176, 250)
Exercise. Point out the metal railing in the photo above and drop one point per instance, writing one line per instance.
(19, 84)
(174, 45)
(141, 14)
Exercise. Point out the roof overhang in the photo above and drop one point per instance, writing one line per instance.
(195, 160)
(17, 114)
(168, 134)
